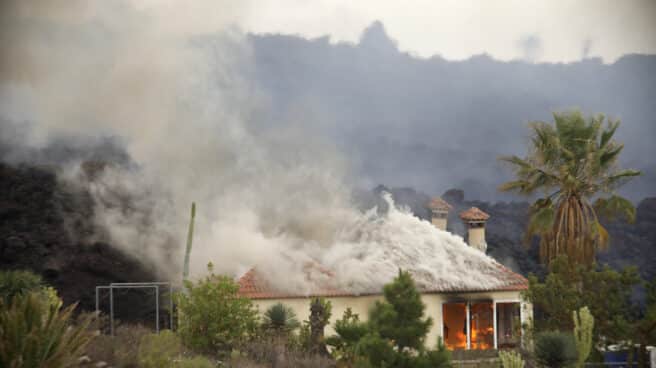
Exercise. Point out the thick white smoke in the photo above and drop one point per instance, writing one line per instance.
(173, 84)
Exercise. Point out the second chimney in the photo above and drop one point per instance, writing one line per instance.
(439, 212)
(474, 220)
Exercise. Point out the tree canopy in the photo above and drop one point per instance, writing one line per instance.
(569, 164)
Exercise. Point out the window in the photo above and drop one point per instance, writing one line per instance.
(481, 323)
(508, 325)
(454, 317)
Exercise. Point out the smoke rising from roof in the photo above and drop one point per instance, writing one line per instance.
(178, 98)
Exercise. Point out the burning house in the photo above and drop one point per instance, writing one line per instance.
(485, 313)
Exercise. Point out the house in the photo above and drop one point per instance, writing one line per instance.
(466, 316)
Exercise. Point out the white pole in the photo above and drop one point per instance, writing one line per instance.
(467, 305)
(494, 319)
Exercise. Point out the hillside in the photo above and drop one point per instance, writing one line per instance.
(46, 226)
(433, 123)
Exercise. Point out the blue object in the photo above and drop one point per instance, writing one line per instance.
(616, 358)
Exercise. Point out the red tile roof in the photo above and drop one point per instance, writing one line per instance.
(254, 285)
(438, 203)
(474, 214)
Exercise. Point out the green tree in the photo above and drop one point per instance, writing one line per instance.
(395, 334)
(583, 325)
(400, 317)
(349, 331)
(569, 287)
(571, 161)
(213, 317)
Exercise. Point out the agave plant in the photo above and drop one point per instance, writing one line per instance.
(572, 162)
(37, 333)
(280, 318)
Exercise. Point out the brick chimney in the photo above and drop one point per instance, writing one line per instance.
(439, 212)
(474, 220)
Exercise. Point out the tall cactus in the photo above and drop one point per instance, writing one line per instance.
(511, 359)
(190, 235)
(583, 325)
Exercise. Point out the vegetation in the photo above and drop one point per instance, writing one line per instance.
(645, 327)
(213, 318)
(350, 330)
(17, 282)
(511, 359)
(159, 350)
(554, 350)
(572, 161)
(280, 319)
(394, 335)
(583, 325)
(568, 287)
(120, 350)
(36, 332)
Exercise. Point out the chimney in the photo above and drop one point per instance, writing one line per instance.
(439, 212)
(474, 220)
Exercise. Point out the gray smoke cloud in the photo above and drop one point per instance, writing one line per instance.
(175, 92)
(174, 88)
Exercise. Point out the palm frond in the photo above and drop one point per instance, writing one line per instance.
(615, 207)
(608, 133)
(280, 317)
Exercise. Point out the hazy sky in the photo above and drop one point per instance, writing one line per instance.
(554, 30)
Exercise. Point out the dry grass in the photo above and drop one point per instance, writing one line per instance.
(276, 353)
(120, 350)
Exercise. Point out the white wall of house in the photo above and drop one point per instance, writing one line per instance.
(362, 304)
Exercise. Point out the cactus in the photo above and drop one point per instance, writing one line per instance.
(511, 359)
(190, 235)
(583, 325)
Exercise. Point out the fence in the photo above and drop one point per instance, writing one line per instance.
(155, 286)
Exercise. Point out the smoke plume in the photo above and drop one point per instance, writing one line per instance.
(169, 90)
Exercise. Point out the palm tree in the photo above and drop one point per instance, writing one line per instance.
(280, 318)
(572, 162)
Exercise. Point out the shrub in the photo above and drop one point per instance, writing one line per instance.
(18, 282)
(511, 359)
(554, 349)
(196, 362)
(272, 351)
(159, 350)
(36, 332)
(120, 350)
(213, 318)
(280, 318)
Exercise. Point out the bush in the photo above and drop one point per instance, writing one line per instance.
(555, 349)
(18, 282)
(120, 350)
(511, 359)
(213, 318)
(159, 350)
(273, 351)
(280, 318)
(196, 362)
(36, 332)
